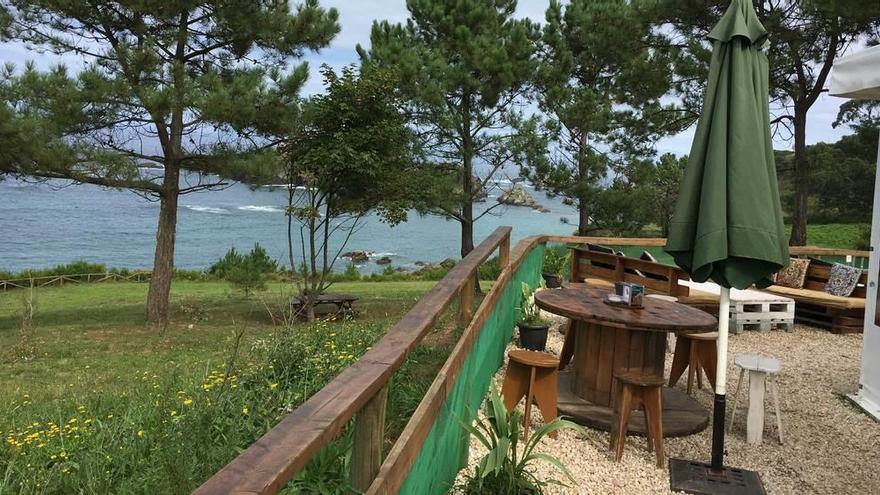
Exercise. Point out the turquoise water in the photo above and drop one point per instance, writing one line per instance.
(48, 224)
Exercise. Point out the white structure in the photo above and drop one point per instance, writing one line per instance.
(858, 76)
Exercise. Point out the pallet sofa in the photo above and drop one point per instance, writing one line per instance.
(601, 268)
(816, 307)
(813, 305)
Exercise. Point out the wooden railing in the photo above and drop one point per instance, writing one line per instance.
(361, 391)
(60, 280)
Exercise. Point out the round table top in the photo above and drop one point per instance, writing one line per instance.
(588, 304)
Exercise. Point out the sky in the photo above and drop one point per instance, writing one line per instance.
(356, 18)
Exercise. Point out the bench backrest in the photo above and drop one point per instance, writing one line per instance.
(656, 277)
(817, 276)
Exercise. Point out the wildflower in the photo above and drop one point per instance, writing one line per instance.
(245, 410)
(273, 386)
(174, 413)
(187, 402)
(140, 433)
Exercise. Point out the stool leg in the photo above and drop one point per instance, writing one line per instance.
(692, 358)
(545, 395)
(529, 398)
(755, 419)
(679, 359)
(653, 403)
(708, 359)
(567, 345)
(739, 383)
(775, 391)
(623, 420)
(516, 385)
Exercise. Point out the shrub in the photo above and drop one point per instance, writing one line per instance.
(247, 272)
(864, 240)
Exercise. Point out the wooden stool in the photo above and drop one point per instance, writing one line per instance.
(532, 375)
(697, 353)
(761, 370)
(637, 390)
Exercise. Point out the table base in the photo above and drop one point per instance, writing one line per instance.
(682, 414)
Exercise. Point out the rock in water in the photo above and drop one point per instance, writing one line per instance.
(384, 260)
(518, 196)
(357, 256)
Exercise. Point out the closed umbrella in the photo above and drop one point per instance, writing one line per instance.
(727, 224)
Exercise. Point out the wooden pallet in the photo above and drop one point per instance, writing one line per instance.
(762, 315)
(835, 319)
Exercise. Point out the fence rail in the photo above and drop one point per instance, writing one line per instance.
(360, 391)
(60, 280)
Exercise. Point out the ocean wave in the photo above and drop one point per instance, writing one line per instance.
(265, 209)
(284, 186)
(380, 255)
(207, 209)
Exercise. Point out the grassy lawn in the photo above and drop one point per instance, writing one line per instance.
(96, 402)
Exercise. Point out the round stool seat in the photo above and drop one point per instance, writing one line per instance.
(700, 336)
(755, 362)
(639, 378)
(533, 358)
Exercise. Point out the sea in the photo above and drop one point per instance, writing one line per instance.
(44, 224)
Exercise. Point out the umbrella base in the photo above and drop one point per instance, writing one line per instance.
(699, 478)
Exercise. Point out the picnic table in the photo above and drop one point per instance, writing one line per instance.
(343, 304)
(605, 339)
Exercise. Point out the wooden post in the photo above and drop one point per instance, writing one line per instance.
(504, 252)
(466, 301)
(574, 275)
(369, 432)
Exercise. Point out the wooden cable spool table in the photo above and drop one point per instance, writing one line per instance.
(611, 339)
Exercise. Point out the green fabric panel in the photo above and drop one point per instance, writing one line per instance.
(446, 447)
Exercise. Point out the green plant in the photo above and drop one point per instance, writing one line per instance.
(864, 240)
(247, 272)
(556, 260)
(529, 312)
(507, 468)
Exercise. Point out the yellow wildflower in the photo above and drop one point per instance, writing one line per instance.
(245, 410)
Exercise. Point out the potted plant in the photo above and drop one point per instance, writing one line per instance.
(555, 261)
(532, 328)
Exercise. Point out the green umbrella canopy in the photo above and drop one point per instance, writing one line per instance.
(727, 224)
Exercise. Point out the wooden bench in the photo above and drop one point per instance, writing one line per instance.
(817, 307)
(343, 304)
(588, 265)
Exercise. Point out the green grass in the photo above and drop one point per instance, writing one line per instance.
(133, 409)
(834, 235)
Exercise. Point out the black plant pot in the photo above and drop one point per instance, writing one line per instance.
(552, 280)
(532, 337)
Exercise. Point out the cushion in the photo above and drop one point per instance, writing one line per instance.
(600, 248)
(843, 280)
(818, 297)
(794, 274)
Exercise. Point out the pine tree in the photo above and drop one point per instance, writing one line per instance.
(188, 85)
(805, 38)
(602, 75)
(464, 68)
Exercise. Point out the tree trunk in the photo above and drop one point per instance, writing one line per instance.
(163, 261)
(583, 218)
(582, 175)
(801, 180)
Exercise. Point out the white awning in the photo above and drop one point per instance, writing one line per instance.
(857, 75)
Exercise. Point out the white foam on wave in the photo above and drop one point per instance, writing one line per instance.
(207, 209)
(264, 209)
(380, 255)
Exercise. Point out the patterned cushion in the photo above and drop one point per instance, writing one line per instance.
(843, 280)
(794, 274)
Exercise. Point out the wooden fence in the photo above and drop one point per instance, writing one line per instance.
(60, 280)
(361, 390)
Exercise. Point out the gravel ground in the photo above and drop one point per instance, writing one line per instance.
(830, 446)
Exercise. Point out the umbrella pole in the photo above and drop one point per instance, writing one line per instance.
(720, 382)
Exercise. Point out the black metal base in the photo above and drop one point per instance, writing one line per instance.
(699, 478)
